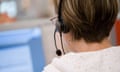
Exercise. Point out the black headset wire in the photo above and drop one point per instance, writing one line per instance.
(55, 39)
(62, 43)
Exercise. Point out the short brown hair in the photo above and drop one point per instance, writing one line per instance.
(91, 20)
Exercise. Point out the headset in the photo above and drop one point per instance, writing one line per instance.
(60, 27)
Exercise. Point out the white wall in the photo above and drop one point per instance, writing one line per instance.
(32, 9)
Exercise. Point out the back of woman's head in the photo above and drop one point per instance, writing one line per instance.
(91, 20)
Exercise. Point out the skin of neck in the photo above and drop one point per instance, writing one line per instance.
(82, 46)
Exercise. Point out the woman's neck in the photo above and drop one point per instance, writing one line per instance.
(82, 46)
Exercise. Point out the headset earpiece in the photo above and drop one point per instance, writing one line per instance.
(61, 27)
(64, 28)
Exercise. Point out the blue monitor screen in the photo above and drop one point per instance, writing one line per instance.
(21, 51)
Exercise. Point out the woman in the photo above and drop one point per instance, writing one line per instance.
(85, 26)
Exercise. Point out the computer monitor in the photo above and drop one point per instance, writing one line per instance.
(22, 46)
(21, 51)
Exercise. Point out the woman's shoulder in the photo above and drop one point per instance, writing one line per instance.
(76, 62)
(70, 62)
(51, 68)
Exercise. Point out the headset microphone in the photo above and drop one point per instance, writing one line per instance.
(58, 51)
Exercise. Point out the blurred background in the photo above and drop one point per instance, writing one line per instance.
(26, 35)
